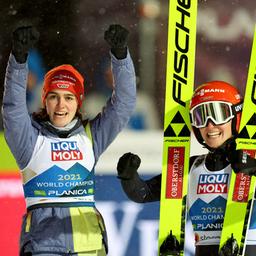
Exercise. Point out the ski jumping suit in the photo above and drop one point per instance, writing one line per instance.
(58, 171)
(207, 195)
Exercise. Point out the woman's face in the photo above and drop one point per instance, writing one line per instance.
(61, 106)
(215, 135)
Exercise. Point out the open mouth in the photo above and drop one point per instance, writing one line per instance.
(60, 114)
(213, 134)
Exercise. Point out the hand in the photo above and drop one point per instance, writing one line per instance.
(117, 37)
(127, 166)
(170, 246)
(230, 247)
(240, 160)
(23, 40)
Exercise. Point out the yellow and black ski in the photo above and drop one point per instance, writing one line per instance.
(176, 145)
(242, 187)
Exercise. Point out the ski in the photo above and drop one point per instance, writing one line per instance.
(176, 143)
(242, 187)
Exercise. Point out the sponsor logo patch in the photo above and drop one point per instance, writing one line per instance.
(65, 151)
(175, 172)
(212, 184)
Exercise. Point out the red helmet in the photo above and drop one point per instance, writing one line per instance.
(217, 101)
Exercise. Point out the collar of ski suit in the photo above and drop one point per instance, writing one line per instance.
(63, 132)
(217, 159)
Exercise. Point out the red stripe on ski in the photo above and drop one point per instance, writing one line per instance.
(175, 172)
(242, 184)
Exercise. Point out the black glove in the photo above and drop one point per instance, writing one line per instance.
(230, 248)
(170, 246)
(239, 159)
(127, 166)
(117, 37)
(23, 40)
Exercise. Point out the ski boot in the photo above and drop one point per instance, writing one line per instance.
(170, 246)
(230, 248)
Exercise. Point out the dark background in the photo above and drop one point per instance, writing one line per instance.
(72, 32)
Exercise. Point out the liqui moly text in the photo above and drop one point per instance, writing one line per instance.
(212, 184)
(65, 151)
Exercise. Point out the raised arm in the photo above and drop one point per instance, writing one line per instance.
(119, 108)
(18, 130)
(137, 189)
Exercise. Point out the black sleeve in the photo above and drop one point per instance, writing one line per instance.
(144, 191)
(141, 191)
(191, 161)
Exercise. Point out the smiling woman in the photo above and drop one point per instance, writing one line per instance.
(63, 93)
(57, 151)
(215, 110)
(61, 107)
